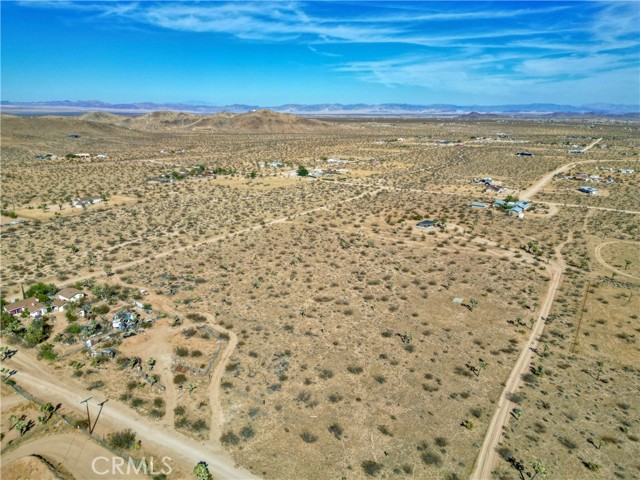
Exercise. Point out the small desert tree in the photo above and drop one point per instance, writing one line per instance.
(201, 471)
(538, 469)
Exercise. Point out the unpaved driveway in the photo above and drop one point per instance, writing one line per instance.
(44, 384)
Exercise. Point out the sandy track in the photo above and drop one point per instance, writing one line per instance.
(75, 452)
(539, 184)
(44, 384)
(601, 261)
(209, 240)
(590, 207)
(488, 455)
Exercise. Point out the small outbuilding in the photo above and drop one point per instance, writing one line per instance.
(588, 190)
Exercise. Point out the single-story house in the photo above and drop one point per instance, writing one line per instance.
(588, 190)
(427, 224)
(276, 164)
(85, 201)
(82, 155)
(492, 187)
(100, 155)
(70, 294)
(576, 151)
(479, 205)
(524, 154)
(32, 304)
(626, 170)
(58, 305)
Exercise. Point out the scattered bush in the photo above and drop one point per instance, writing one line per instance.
(308, 437)
(124, 440)
(371, 468)
(229, 438)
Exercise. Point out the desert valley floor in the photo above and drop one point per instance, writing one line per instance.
(289, 298)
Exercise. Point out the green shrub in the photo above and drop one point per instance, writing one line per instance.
(229, 438)
(431, 458)
(247, 432)
(125, 439)
(308, 437)
(371, 468)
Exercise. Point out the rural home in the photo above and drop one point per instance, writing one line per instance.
(32, 304)
(70, 294)
(85, 201)
(427, 224)
(58, 305)
(588, 190)
(82, 155)
(524, 154)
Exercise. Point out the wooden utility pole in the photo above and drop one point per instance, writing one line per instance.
(86, 403)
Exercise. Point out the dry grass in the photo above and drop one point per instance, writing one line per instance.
(321, 281)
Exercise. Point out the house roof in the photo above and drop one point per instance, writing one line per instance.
(26, 303)
(58, 303)
(69, 292)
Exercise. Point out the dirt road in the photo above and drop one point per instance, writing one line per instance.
(593, 144)
(76, 453)
(539, 184)
(601, 261)
(488, 456)
(37, 379)
(209, 240)
(590, 207)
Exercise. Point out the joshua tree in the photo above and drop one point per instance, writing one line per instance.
(626, 264)
(473, 303)
(151, 362)
(538, 468)
(201, 471)
(599, 369)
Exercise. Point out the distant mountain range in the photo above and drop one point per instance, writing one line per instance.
(325, 109)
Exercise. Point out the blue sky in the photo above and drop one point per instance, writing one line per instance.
(269, 54)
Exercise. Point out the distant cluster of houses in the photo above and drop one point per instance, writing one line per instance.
(513, 208)
(36, 308)
(51, 156)
(583, 177)
(626, 171)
